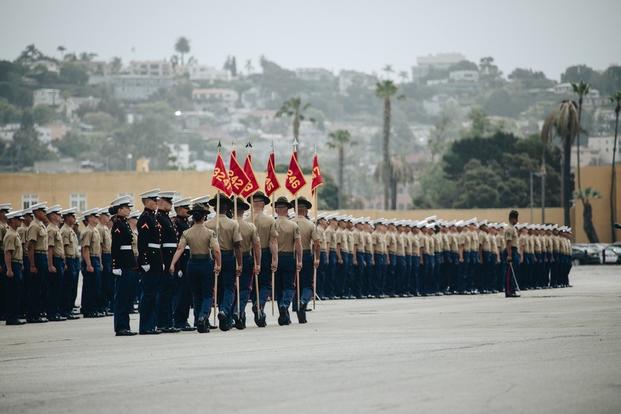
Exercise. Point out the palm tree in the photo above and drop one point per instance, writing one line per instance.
(385, 90)
(61, 49)
(585, 196)
(388, 70)
(563, 122)
(338, 140)
(249, 67)
(402, 172)
(182, 46)
(616, 99)
(296, 110)
(116, 64)
(581, 89)
(404, 76)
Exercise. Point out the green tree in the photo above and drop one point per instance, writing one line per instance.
(9, 113)
(182, 46)
(404, 76)
(61, 49)
(401, 171)
(563, 123)
(579, 73)
(327, 194)
(478, 187)
(295, 109)
(585, 196)
(44, 114)
(116, 64)
(386, 90)
(616, 99)
(73, 73)
(26, 147)
(339, 139)
(581, 89)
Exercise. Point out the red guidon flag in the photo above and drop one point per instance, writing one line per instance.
(238, 177)
(295, 176)
(317, 178)
(253, 184)
(220, 178)
(271, 180)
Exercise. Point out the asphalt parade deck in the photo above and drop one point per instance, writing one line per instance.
(550, 351)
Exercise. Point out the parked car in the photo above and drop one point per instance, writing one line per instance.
(582, 254)
(612, 254)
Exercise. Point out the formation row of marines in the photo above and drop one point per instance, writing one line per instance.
(175, 256)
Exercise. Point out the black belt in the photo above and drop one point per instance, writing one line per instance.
(200, 256)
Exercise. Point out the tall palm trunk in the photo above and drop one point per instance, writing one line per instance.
(341, 176)
(578, 182)
(386, 149)
(587, 222)
(566, 178)
(393, 193)
(543, 185)
(613, 179)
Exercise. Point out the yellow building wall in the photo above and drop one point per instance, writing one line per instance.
(101, 188)
(599, 179)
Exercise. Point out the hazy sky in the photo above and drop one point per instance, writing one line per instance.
(545, 35)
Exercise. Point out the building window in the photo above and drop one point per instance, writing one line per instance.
(29, 200)
(77, 200)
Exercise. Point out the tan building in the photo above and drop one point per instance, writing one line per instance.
(89, 190)
(98, 189)
(599, 178)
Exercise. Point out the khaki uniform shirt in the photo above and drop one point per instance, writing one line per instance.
(379, 243)
(391, 242)
(22, 231)
(323, 246)
(415, 242)
(91, 238)
(55, 241)
(368, 242)
(500, 241)
(12, 243)
(249, 235)
(70, 241)
(428, 244)
(288, 233)
(400, 244)
(407, 237)
(359, 241)
(465, 239)
(201, 240)
(38, 234)
(3, 230)
(453, 239)
(308, 232)
(510, 234)
(266, 229)
(486, 244)
(493, 242)
(106, 238)
(341, 239)
(329, 236)
(228, 233)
